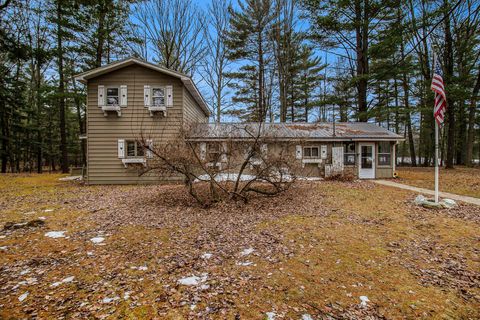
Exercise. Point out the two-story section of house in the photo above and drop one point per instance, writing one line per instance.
(131, 100)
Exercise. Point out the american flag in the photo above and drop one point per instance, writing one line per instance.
(440, 97)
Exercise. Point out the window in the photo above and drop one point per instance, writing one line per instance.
(310, 152)
(349, 153)
(367, 156)
(384, 154)
(135, 149)
(213, 153)
(112, 97)
(158, 97)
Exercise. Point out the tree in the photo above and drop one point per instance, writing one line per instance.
(248, 43)
(174, 31)
(216, 63)
(352, 27)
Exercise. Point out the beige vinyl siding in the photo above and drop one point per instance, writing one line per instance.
(192, 112)
(104, 166)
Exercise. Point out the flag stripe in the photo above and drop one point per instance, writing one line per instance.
(440, 97)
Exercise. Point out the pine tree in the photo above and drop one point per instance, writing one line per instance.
(248, 43)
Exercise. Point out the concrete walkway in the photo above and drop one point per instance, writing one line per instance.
(456, 197)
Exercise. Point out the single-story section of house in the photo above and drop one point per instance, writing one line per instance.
(364, 150)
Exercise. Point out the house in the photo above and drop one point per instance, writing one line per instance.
(131, 99)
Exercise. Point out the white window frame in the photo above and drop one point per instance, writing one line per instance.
(137, 145)
(311, 156)
(388, 154)
(152, 97)
(118, 95)
(217, 159)
(346, 154)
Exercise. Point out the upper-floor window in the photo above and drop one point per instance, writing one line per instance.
(311, 152)
(349, 153)
(384, 153)
(113, 97)
(134, 149)
(158, 96)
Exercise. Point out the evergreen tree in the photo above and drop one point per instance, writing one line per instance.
(248, 43)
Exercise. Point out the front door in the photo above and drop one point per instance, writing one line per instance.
(366, 161)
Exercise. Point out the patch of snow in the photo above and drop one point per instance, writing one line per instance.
(204, 287)
(306, 316)
(55, 234)
(97, 240)
(141, 268)
(225, 177)
(89, 253)
(126, 295)
(206, 256)
(193, 280)
(23, 272)
(364, 301)
(23, 296)
(66, 280)
(271, 315)
(245, 264)
(3, 248)
(48, 210)
(193, 307)
(42, 218)
(108, 300)
(246, 252)
(247, 177)
(3, 237)
(70, 178)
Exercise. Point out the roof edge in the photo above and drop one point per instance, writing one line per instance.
(186, 80)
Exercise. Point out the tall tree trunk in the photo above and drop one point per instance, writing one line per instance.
(39, 115)
(5, 134)
(261, 85)
(61, 90)
(101, 33)
(81, 125)
(448, 78)
(471, 122)
(361, 31)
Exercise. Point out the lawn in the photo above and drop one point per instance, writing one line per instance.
(316, 251)
(461, 180)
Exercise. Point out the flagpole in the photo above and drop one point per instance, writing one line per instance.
(436, 160)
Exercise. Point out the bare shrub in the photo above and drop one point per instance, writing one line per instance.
(231, 168)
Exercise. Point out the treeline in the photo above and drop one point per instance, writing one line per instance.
(255, 60)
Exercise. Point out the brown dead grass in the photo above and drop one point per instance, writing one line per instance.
(318, 248)
(461, 180)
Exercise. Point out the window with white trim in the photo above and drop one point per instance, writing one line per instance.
(311, 152)
(113, 96)
(214, 152)
(158, 96)
(349, 153)
(384, 153)
(134, 149)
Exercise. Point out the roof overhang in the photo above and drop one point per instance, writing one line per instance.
(332, 139)
(186, 80)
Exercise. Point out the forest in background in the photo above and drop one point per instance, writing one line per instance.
(254, 60)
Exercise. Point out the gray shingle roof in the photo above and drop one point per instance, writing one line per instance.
(287, 131)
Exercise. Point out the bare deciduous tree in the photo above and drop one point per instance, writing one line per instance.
(217, 63)
(231, 169)
(174, 30)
